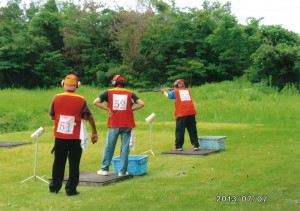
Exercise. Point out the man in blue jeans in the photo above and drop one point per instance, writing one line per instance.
(120, 122)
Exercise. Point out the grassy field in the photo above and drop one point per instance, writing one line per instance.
(261, 159)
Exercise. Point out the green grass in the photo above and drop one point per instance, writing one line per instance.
(261, 156)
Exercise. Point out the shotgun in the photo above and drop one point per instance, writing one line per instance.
(154, 90)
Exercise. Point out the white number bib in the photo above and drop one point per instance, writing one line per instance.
(66, 124)
(184, 95)
(119, 102)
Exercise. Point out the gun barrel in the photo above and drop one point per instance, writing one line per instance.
(153, 90)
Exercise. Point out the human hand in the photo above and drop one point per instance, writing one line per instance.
(110, 113)
(94, 138)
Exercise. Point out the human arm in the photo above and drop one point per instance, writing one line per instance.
(164, 92)
(94, 137)
(51, 110)
(170, 95)
(139, 104)
(87, 115)
(98, 103)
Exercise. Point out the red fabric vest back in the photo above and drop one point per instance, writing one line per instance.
(68, 104)
(184, 105)
(120, 102)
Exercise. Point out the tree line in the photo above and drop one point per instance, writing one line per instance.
(152, 45)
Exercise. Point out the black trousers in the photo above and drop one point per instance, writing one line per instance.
(66, 149)
(188, 122)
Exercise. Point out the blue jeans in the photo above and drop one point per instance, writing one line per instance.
(110, 146)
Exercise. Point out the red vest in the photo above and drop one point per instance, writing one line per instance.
(68, 109)
(120, 102)
(184, 105)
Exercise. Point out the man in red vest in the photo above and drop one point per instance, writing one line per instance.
(68, 110)
(120, 122)
(185, 113)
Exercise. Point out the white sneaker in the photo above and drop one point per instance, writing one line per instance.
(103, 173)
(120, 174)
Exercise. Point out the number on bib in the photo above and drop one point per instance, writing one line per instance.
(66, 124)
(184, 95)
(119, 102)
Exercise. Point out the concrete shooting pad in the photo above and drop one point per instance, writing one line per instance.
(191, 152)
(13, 144)
(94, 179)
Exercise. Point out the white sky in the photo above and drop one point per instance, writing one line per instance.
(275, 12)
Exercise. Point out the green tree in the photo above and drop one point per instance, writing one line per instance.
(152, 45)
(88, 45)
(48, 23)
(157, 44)
(252, 40)
(13, 44)
(127, 31)
(50, 67)
(278, 64)
(227, 43)
(277, 60)
(274, 35)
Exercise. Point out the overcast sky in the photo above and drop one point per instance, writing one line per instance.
(275, 12)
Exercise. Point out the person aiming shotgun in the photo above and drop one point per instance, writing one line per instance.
(185, 114)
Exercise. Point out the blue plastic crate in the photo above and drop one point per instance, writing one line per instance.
(212, 142)
(137, 164)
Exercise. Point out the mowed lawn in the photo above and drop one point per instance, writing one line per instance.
(259, 169)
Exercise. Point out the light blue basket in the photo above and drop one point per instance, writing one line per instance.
(137, 164)
(212, 142)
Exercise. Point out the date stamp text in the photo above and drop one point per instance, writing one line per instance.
(242, 198)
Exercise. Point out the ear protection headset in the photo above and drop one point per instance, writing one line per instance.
(118, 80)
(179, 83)
(77, 85)
(71, 77)
(114, 80)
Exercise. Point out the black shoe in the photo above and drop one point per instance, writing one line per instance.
(72, 193)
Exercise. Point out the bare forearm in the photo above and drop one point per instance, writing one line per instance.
(92, 124)
(100, 105)
(94, 137)
(140, 104)
(164, 92)
(97, 102)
